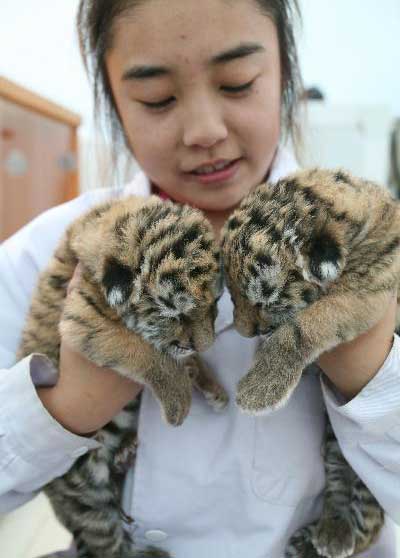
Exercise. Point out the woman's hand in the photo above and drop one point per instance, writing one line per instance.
(86, 396)
(350, 366)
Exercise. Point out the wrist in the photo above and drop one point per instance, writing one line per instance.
(351, 366)
(86, 397)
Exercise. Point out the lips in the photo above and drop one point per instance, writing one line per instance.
(217, 172)
(212, 166)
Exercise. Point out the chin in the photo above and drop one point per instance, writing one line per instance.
(221, 200)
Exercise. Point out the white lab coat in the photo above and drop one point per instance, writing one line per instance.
(221, 485)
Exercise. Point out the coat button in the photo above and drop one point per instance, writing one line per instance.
(155, 535)
(78, 452)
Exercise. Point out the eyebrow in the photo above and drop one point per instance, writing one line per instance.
(147, 72)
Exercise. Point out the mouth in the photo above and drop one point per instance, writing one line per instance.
(216, 171)
(266, 332)
(180, 352)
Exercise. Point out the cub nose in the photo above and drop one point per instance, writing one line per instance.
(258, 330)
(183, 346)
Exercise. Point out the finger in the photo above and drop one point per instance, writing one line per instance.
(75, 279)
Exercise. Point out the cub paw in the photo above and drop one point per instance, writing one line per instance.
(204, 380)
(125, 456)
(217, 399)
(300, 545)
(257, 394)
(334, 538)
(175, 411)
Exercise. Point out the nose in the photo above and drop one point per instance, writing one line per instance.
(188, 346)
(204, 124)
(258, 330)
(244, 328)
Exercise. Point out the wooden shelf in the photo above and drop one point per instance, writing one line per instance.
(38, 156)
(21, 96)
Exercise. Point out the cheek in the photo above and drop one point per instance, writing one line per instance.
(152, 148)
(150, 140)
(259, 131)
(265, 122)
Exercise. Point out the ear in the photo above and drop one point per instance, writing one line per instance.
(323, 259)
(117, 282)
(86, 233)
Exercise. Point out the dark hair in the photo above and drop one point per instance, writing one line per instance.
(96, 20)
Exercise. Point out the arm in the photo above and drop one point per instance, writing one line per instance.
(86, 396)
(34, 448)
(350, 366)
(361, 389)
(39, 412)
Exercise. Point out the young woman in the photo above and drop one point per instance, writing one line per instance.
(203, 93)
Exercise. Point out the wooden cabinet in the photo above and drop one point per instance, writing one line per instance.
(38, 156)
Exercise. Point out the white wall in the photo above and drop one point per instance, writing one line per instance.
(351, 49)
(39, 50)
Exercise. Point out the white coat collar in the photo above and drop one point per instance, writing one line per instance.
(283, 164)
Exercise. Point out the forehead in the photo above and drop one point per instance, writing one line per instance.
(175, 32)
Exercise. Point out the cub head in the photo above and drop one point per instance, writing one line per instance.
(280, 255)
(158, 267)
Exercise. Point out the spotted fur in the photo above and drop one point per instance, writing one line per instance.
(311, 262)
(145, 305)
(351, 518)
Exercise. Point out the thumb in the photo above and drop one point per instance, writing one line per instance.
(75, 279)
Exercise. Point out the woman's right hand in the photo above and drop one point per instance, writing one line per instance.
(86, 396)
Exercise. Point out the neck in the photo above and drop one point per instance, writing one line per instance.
(218, 219)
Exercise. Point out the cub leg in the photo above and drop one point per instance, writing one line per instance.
(351, 518)
(336, 318)
(204, 380)
(105, 341)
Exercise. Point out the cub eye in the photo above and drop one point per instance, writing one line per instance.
(184, 320)
(258, 305)
(295, 276)
(308, 296)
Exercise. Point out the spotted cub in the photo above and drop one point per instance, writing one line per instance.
(145, 305)
(311, 262)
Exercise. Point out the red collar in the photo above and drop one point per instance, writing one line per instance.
(160, 193)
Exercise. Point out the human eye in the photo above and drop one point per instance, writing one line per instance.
(234, 89)
(159, 104)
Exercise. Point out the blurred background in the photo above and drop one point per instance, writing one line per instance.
(50, 149)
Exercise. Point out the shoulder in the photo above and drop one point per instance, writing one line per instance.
(284, 163)
(36, 241)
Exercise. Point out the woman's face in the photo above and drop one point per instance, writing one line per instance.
(197, 86)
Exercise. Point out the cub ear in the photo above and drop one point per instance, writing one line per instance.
(87, 235)
(117, 282)
(323, 259)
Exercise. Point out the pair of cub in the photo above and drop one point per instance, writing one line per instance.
(310, 261)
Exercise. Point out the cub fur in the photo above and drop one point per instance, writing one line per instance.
(145, 305)
(311, 262)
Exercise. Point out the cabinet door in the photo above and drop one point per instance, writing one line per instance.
(37, 165)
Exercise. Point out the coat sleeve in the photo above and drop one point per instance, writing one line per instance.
(368, 431)
(34, 447)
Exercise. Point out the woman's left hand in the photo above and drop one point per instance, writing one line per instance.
(350, 366)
